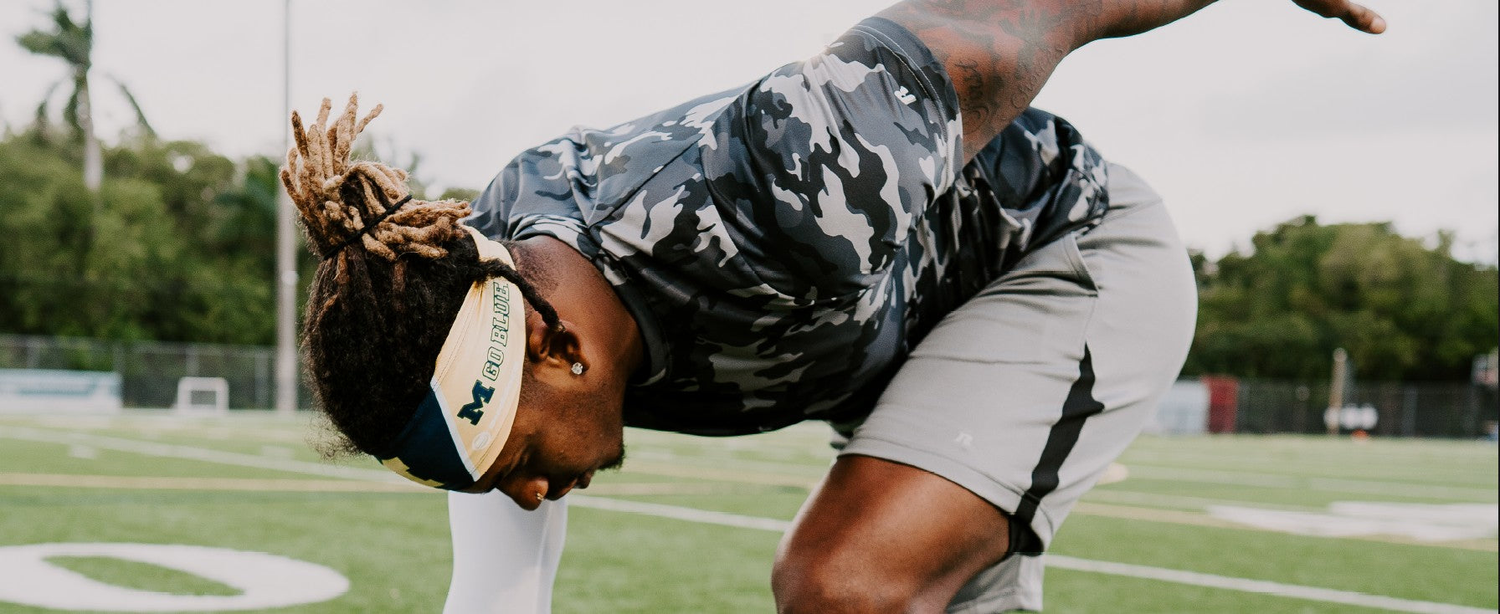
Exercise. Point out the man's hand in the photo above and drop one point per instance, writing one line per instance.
(1354, 15)
(1000, 52)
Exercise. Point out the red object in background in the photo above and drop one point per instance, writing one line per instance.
(1223, 401)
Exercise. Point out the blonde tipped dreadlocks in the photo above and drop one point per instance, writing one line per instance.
(338, 198)
(392, 274)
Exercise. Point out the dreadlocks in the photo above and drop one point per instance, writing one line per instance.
(392, 274)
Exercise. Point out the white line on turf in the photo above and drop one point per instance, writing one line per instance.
(689, 514)
(1273, 480)
(1260, 586)
(1067, 562)
(674, 512)
(151, 448)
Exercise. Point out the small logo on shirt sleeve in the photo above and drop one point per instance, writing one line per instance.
(905, 96)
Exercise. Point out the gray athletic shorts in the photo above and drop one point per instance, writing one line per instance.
(1026, 393)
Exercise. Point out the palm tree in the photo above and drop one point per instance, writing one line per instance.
(73, 42)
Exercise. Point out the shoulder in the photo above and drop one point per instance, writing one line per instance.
(588, 173)
(828, 161)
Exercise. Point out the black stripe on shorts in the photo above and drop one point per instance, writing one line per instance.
(1077, 408)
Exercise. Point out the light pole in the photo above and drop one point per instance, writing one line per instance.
(286, 249)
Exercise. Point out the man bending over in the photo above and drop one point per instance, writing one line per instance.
(883, 237)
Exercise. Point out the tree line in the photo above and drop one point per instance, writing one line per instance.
(178, 244)
(1403, 308)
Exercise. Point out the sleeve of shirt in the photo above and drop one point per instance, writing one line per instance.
(829, 161)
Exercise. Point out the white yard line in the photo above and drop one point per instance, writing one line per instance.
(1272, 480)
(1124, 495)
(686, 469)
(688, 514)
(1278, 589)
(813, 469)
(166, 450)
(117, 482)
(1055, 561)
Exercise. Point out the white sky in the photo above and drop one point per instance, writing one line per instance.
(1245, 115)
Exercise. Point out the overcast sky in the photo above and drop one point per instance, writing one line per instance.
(1247, 114)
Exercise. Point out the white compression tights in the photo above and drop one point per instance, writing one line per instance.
(504, 558)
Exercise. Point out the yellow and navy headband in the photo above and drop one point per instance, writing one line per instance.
(463, 422)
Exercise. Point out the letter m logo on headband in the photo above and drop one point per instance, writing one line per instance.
(474, 411)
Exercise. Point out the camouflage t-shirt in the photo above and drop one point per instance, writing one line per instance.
(783, 245)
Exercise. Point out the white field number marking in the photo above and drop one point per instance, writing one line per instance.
(264, 580)
(1426, 522)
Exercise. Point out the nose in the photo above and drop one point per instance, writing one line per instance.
(526, 492)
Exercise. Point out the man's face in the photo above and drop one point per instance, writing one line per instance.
(560, 438)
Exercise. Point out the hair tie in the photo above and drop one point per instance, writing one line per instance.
(369, 226)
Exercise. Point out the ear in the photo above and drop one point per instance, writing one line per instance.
(548, 348)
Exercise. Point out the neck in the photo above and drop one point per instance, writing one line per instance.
(587, 302)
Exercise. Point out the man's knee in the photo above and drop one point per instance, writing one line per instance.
(880, 536)
(830, 583)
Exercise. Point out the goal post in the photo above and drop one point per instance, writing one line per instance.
(202, 395)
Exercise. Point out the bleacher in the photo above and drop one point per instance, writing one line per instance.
(54, 391)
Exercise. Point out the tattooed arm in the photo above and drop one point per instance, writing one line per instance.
(1000, 52)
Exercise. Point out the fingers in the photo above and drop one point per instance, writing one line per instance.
(1354, 15)
(1363, 19)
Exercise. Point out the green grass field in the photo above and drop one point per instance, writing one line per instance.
(1208, 505)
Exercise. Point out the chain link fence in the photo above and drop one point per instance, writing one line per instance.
(1458, 410)
(150, 371)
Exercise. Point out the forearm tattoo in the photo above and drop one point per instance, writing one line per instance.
(998, 52)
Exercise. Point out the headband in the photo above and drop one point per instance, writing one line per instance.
(462, 424)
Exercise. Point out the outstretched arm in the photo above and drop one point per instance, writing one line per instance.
(1000, 52)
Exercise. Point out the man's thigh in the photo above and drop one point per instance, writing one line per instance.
(1017, 402)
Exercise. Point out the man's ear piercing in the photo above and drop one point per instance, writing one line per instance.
(577, 368)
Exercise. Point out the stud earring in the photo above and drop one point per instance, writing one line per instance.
(577, 368)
